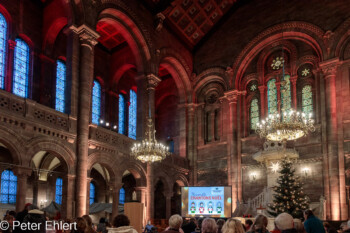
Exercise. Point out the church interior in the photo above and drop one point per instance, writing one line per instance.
(87, 85)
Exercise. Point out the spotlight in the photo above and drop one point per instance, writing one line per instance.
(115, 127)
(107, 123)
(101, 121)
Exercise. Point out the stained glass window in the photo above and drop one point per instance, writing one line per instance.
(285, 94)
(121, 123)
(96, 102)
(122, 196)
(92, 193)
(132, 114)
(254, 113)
(272, 96)
(3, 37)
(21, 69)
(307, 104)
(60, 86)
(8, 187)
(59, 185)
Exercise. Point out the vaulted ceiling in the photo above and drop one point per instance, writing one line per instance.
(191, 20)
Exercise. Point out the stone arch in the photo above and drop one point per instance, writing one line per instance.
(65, 154)
(12, 142)
(108, 162)
(180, 76)
(162, 176)
(136, 169)
(9, 21)
(341, 40)
(52, 33)
(302, 31)
(119, 73)
(181, 180)
(131, 33)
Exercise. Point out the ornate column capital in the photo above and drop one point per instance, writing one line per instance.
(243, 93)
(329, 67)
(12, 44)
(88, 37)
(294, 79)
(231, 96)
(152, 81)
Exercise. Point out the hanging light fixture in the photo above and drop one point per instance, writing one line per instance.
(149, 150)
(290, 124)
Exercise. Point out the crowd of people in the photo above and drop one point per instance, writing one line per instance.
(284, 223)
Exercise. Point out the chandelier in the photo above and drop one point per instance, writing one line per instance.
(290, 125)
(149, 150)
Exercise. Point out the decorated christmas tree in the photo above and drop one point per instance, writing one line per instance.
(289, 196)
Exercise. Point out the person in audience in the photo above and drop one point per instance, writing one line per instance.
(199, 226)
(220, 223)
(312, 224)
(190, 226)
(260, 224)
(81, 226)
(232, 226)
(121, 224)
(89, 227)
(9, 218)
(285, 223)
(175, 222)
(101, 226)
(347, 227)
(275, 230)
(36, 216)
(209, 226)
(328, 228)
(248, 224)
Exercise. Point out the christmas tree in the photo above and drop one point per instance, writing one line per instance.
(288, 197)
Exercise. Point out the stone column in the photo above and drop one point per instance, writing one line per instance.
(72, 70)
(10, 64)
(231, 96)
(67, 208)
(200, 124)
(150, 192)
(168, 196)
(262, 90)
(293, 80)
(47, 81)
(87, 42)
(211, 121)
(22, 174)
(241, 116)
(329, 69)
(115, 196)
(190, 139)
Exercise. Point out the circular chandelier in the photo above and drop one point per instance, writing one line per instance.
(149, 150)
(290, 125)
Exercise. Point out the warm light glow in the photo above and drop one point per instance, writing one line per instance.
(306, 170)
(275, 167)
(290, 126)
(253, 175)
(149, 150)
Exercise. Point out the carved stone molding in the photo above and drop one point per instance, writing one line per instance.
(231, 96)
(152, 81)
(329, 67)
(87, 36)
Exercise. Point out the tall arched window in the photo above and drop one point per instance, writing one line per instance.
(285, 94)
(8, 187)
(132, 114)
(92, 193)
(59, 186)
(122, 196)
(254, 113)
(96, 102)
(60, 86)
(21, 69)
(272, 96)
(3, 37)
(307, 105)
(122, 112)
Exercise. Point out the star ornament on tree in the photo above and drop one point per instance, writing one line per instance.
(275, 166)
(305, 72)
